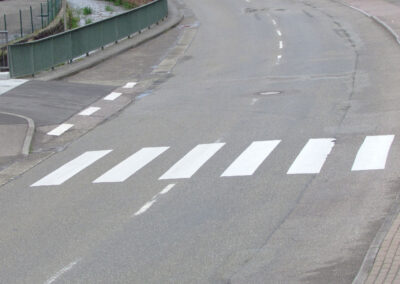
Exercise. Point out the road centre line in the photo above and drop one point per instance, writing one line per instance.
(145, 207)
(280, 44)
(373, 153)
(192, 161)
(150, 203)
(167, 188)
(279, 32)
(249, 161)
(59, 130)
(89, 111)
(129, 85)
(112, 96)
(61, 272)
(71, 168)
(131, 165)
(274, 22)
(312, 157)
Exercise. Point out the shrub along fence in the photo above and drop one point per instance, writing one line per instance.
(29, 58)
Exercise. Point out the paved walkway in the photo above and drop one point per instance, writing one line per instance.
(382, 262)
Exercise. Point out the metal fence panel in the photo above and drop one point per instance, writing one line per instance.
(29, 58)
(43, 55)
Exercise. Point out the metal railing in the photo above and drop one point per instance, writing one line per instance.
(3, 51)
(27, 21)
(29, 58)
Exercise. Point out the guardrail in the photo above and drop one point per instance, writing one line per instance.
(28, 58)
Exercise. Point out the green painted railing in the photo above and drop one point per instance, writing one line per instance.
(32, 57)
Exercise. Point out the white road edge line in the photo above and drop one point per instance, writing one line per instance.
(129, 85)
(89, 111)
(373, 153)
(61, 272)
(112, 96)
(59, 130)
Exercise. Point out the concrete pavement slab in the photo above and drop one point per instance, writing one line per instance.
(53, 102)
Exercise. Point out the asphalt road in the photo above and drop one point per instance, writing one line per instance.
(289, 210)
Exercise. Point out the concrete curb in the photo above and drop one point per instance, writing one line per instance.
(376, 19)
(175, 16)
(29, 133)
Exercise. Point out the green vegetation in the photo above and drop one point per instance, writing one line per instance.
(109, 8)
(73, 21)
(88, 21)
(124, 3)
(87, 11)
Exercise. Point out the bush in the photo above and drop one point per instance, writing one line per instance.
(87, 11)
(73, 22)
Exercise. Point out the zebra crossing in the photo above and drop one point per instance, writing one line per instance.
(371, 155)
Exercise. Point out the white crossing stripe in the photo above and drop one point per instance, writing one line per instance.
(89, 111)
(248, 162)
(112, 96)
(312, 157)
(60, 129)
(131, 165)
(373, 153)
(129, 85)
(192, 161)
(71, 168)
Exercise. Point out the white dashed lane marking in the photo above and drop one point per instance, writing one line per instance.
(89, 111)
(129, 85)
(373, 153)
(59, 130)
(150, 203)
(71, 168)
(112, 96)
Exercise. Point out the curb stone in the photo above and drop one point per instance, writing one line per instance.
(29, 133)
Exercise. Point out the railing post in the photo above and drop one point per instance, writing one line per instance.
(41, 13)
(5, 22)
(20, 22)
(48, 12)
(30, 8)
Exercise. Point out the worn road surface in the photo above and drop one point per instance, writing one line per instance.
(269, 155)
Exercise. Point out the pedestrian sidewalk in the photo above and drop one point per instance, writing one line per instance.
(16, 133)
(382, 261)
(385, 12)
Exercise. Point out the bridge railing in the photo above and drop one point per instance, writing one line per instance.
(31, 57)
